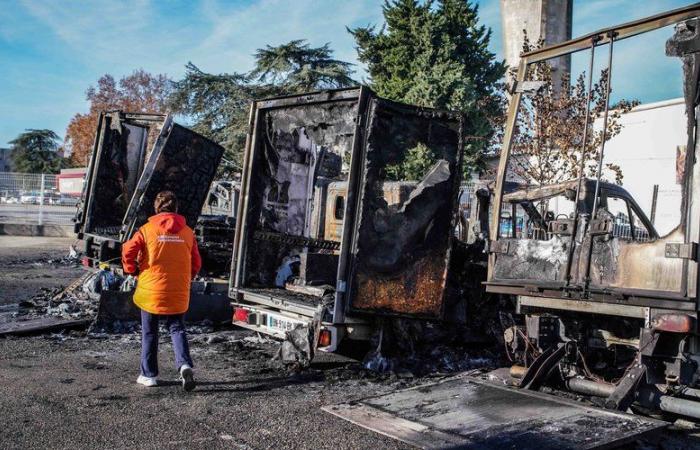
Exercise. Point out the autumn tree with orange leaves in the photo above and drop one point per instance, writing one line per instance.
(138, 92)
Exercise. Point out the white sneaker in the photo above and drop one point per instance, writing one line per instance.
(147, 381)
(187, 377)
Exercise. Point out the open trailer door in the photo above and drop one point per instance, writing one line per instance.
(135, 156)
(400, 249)
(183, 162)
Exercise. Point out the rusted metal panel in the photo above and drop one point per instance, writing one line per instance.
(417, 291)
(401, 252)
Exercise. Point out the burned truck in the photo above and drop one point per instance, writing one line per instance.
(135, 156)
(607, 297)
(326, 238)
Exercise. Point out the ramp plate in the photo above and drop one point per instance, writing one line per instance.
(468, 413)
(41, 325)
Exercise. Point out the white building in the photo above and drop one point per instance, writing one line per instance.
(649, 149)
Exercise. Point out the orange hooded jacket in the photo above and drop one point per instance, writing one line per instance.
(164, 253)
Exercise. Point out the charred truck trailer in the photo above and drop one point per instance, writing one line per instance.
(135, 156)
(608, 300)
(324, 242)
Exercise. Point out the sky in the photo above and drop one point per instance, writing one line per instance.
(52, 51)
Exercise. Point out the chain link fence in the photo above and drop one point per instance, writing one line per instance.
(35, 198)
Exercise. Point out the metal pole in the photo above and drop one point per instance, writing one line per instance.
(589, 387)
(611, 36)
(605, 129)
(41, 199)
(582, 165)
(654, 198)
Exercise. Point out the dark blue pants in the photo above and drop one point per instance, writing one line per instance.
(149, 342)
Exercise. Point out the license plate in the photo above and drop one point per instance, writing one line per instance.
(279, 323)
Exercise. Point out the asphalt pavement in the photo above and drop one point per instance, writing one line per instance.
(81, 393)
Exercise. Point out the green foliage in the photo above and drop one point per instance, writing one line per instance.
(296, 67)
(219, 104)
(36, 151)
(435, 54)
(419, 160)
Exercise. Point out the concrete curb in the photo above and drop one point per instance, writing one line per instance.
(24, 229)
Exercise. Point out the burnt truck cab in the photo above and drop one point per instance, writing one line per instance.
(525, 216)
(607, 304)
(324, 237)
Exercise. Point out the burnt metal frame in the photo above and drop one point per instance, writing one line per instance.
(137, 199)
(360, 96)
(356, 181)
(141, 119)
(589, 41)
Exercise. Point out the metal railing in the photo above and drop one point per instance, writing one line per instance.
(34, 198)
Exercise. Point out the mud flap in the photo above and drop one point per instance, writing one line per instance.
(299, 346)
(297, 349)
(469, 413)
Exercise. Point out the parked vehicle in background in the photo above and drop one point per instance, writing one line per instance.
(9, 197)
(52, 198)
(30, 197)
(70, 185)
(68, 200)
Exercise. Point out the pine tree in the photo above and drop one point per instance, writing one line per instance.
(219, 104)
(435, 54)
(36, 151)
(296, 67)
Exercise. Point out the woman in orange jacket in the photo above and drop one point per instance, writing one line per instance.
(164, 255)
